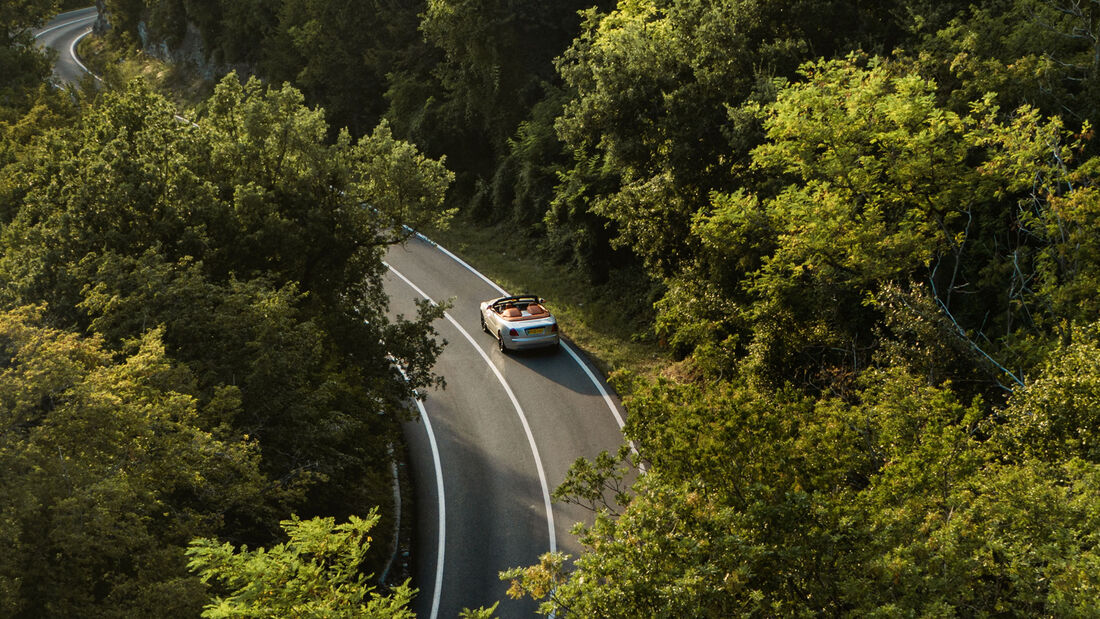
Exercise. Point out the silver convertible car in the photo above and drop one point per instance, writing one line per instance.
(519, 322)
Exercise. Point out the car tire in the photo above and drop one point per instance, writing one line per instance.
(484, 327)
(500, 343)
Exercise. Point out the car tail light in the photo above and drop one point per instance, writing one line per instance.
(554, 328)
(513, 332)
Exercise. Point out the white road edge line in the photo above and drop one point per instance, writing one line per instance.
(76, 59)
(572, 353)
(465, 264)
(515, 404)
(595, 381)
(68, 23)
(437, 590)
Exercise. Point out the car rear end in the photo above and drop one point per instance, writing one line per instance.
(528, 334)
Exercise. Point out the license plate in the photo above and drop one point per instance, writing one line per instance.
(536, 331)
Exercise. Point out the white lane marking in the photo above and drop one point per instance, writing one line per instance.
(68, 23)
(572, 353)
(72, 52)
(395, 476)
(595, 381)
(469, 268)
(515, 404)
(437, 590)
(72, 46)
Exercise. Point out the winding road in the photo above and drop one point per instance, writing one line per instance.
(507, 427)
(61, 34)
(490, 447)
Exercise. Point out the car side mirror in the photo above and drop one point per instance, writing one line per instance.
(542, 300)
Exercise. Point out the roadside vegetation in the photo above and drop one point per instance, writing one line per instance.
(853, 244)
(194, 345)
(118, 66)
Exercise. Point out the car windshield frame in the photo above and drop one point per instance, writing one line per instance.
(529, 299)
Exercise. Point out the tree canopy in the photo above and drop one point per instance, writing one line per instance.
(870, 229)
(209, 349)
(900, 500)
(109, 473)
(23, 66)
(316, 572)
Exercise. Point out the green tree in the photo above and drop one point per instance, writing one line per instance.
(1036, 52)
(339, 54)
(882, 188)
(464, 91)
(892, 501)
(24, 66)
(108, 475)
(1057, 417)
(316, 572)
(873, 183)
(256, 243)
(495, 54)
(124, 16)
(649, 124)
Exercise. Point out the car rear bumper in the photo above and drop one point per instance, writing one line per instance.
(531, 341)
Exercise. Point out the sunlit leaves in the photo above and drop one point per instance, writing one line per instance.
(891, 501)
(316, 572)
(108, 475)
(238, 259)
(882, 171)
(1057, 417)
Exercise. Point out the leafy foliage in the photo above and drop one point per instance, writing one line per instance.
(654, 83)
(777, 504)
(874, 223)
(239, 362)
(897, 417)
(316, 572)
(23, 65)
(878, 186)
(109, 475)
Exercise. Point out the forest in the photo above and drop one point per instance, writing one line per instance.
(868, 233)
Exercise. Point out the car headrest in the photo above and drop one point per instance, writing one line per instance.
(511, 312)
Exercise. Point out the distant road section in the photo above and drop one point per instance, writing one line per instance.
(61, 34)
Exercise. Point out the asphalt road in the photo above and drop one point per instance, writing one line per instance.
(495, 494)
(61, 34)
(492, 445)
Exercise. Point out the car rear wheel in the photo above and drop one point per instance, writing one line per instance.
(500, 343)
